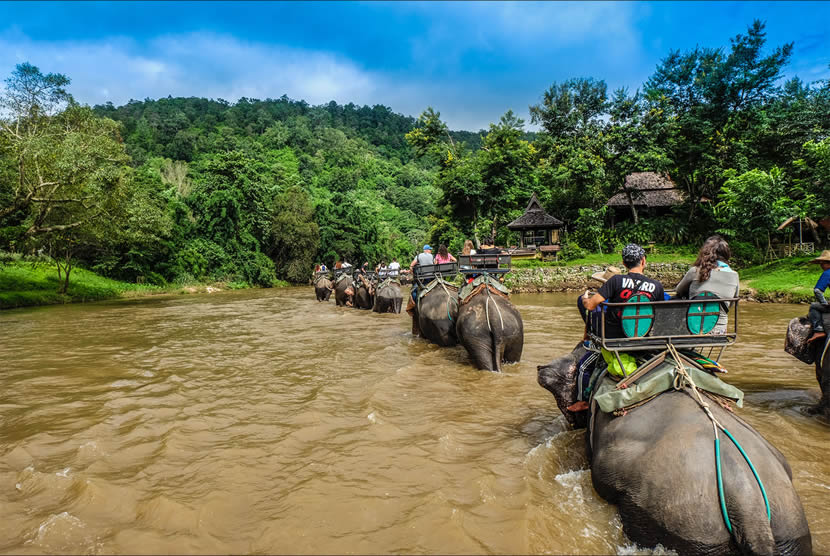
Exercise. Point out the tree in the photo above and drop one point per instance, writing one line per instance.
(295, 235)
(714, 98)
(571, 146)
(71, 168)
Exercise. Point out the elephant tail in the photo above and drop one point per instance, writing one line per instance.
(495, 324)
(755, 535)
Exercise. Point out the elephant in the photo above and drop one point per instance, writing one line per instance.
(323, 288)
(388, 298)
(434, 314)
(656, 463)
(490, 328)
(817, 353)
(364, 296)
(344, 292)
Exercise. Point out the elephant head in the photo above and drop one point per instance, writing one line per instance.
(559, 377)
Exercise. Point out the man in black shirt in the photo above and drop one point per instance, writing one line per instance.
(621, 287)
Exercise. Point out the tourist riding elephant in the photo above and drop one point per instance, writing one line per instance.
(817, 353)
(657, 463)
(323, 288)
(434, 314)
(489, 326)
(388, 297)
(364, 296)
(344, 292)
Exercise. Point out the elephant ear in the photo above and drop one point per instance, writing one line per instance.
(559, 378)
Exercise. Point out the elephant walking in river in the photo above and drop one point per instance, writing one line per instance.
(388, 297)
(489, 327)
(364, 295)
(816, 353)
(657, 464)
(435, 313)
(323, 288)
(344, 292)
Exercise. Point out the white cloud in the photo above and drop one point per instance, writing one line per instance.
(118, 69)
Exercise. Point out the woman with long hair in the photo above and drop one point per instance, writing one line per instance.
(443, 255)
(468, 248)
(712, 273)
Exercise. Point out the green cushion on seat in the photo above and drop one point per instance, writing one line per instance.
(637, 320)
(701, 318)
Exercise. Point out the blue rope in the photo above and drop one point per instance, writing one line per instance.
(754, 472)
(721, 496)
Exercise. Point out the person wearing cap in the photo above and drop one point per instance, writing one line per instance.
(821, 305)
(423, 259)
(620, 287)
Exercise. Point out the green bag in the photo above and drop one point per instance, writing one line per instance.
(628, 361)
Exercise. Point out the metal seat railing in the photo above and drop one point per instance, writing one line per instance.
(484, 263)
(681, 323)
(426, 272)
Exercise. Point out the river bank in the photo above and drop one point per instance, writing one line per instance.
(32, 283)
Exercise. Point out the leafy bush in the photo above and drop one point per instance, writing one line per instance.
(745, 254)
(258, 269)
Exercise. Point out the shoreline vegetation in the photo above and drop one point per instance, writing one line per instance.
(32, 283)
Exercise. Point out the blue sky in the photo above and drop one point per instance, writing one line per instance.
(470, 60)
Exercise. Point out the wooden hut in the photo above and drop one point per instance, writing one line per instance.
(651, 193)
(539, 231)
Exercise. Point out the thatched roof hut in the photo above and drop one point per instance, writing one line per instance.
(648, 189)
(537, 227)
(535, 217)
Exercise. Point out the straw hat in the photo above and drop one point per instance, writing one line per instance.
(823, 258)
(605, 276)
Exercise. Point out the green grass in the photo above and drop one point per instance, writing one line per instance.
(664, 254)
(792, 279)
(25, 283)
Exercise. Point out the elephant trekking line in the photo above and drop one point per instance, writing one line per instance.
(807, 337)
(664, 442)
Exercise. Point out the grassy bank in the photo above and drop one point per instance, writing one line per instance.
(786, 280)
(29, 283)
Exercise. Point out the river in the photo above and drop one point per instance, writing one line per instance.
(262, 421)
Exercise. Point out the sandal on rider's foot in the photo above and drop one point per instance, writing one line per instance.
(816, 336)
(578, 406)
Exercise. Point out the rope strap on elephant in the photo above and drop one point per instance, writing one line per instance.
(683, 381)
(450, 289)
(387, 282)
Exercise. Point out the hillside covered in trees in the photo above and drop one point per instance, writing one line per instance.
(184, 189)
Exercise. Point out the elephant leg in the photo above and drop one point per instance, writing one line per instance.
(398, 303)
(513, 349)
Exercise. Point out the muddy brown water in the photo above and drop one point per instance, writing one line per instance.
(262, 421)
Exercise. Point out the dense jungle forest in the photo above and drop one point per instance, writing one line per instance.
(183, 189)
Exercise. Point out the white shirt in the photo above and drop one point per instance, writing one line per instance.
(394, 267)
(345, 265)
